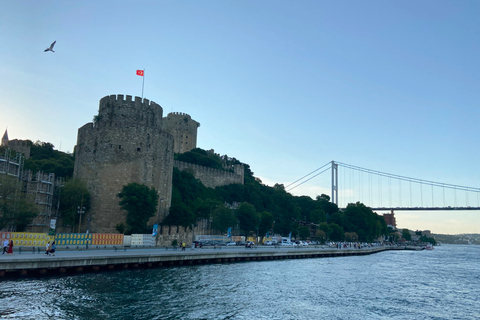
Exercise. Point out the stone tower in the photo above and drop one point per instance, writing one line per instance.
(5, 139)
(183, 129)
(124, 144)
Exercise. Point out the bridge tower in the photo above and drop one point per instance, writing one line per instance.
(334, 183)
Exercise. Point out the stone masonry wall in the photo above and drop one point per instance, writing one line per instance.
(167, 234)
(210, 177)
(124, 145)
(183, 129)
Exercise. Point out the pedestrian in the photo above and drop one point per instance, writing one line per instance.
(47, 248)
(54, 247)
(10, 248)
(183, 246)
(5, 246)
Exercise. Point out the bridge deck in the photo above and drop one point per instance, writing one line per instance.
(426, 208)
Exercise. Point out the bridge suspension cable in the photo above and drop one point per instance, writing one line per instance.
(422, 193)
(388, 186)
(292, 185)
(415, 180)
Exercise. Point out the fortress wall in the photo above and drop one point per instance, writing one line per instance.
(125, 144)
(20, 146)
(210, 177)
(167, 234)
(183, 129)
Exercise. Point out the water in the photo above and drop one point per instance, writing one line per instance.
(438, 284)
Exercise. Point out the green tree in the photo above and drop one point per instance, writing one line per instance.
(17, 209)
(223, 218)
(321, 235)
(325, 227)
(204, 208)
(74, 194)
(248, 218)
(201, 157)
(362, 220)
(180, 214)
(44, 158)
(266, 222)
(190, 199)
(351, 236)
(406, 234)
(303, 232)
(325, 204)
(141, 203)
(337, 218)
(337, 232)
(318, 216)
(428, 239)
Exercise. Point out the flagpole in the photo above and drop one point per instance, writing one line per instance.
(143, 82)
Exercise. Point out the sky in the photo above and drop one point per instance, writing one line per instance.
(283, 86)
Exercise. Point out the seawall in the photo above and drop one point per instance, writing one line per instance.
(74, 262)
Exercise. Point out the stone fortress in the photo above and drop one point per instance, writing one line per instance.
(130, 141)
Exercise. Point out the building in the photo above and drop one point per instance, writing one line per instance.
(390, 219)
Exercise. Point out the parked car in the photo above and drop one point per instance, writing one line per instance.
(231, 243)
(198, 244)
(268, 243)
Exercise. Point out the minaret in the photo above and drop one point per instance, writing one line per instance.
(5, 138)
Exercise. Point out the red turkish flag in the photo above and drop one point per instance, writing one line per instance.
(140, 73)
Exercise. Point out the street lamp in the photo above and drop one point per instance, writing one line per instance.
(80, 211)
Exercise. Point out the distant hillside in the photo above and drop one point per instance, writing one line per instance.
(472, 238)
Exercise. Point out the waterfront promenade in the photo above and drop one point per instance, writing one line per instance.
(67, 262)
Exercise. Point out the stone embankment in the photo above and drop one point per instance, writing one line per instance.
(74, 262)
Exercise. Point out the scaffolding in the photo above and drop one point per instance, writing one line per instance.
(40, 186)
(11, 166)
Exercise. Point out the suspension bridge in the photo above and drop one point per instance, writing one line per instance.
(385, 191)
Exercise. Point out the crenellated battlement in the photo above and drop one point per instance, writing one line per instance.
(126, 99)
(183, 129)
(127, 111)
(179, 114)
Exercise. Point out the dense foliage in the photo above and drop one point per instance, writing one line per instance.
(260, 208)
(252, 207)
(73, 196)
(17, 209)
(141, 203)
(44, 158)
(201, 157)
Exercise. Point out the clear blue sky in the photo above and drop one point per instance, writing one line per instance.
(284, 86)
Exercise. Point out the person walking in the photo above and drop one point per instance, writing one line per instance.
(5, 246)
(47, 248)
(54, 247)
(10, 248)
(183, 246)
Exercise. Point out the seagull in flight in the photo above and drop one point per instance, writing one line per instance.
(51, 47)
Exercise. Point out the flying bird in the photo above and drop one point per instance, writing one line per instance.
(51, 47)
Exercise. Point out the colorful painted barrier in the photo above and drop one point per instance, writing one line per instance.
(146, 240)
(4, 235)
(73, 239)
(105, 239)
(28, 239)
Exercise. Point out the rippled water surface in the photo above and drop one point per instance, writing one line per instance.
(438, 284)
